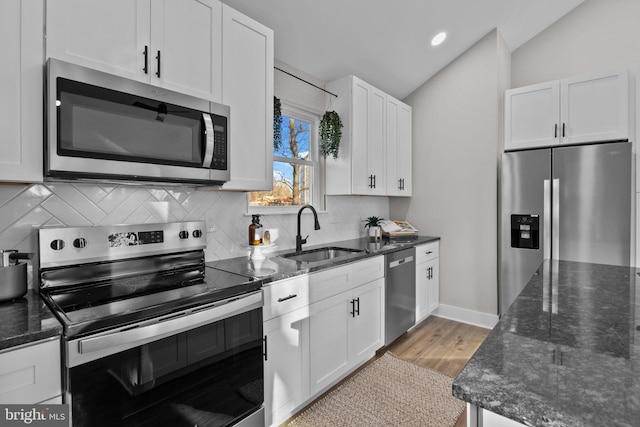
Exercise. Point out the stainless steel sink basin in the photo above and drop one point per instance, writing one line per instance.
(321, 254)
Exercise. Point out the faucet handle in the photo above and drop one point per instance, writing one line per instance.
(304, 240)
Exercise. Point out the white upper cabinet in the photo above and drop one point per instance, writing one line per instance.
(398, 155)
(21, 86)
(170, 43)
(247, 57)
(369, 130)
(588, 108)
(595, 107)
(531, 116)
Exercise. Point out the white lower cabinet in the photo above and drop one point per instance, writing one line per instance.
(427, 280)
(317, 329)
(286, 366)
(30, 373)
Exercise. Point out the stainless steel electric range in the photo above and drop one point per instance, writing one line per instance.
(153, 336)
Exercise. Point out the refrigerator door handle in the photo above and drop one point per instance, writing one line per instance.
(546, 230)
(555, 221)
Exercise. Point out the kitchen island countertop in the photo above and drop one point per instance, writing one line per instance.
(566, 353)
(274, 267)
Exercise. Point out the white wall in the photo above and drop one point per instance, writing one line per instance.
(456, 142)
(596, 35)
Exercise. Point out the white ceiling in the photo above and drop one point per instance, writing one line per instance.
(387, 43)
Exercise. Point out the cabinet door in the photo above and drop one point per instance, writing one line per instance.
(30, 373)
(376, 141)
(286, 368)
(427, 288)
(531, 116)
(21, 87)
(595, 107)
(328, 341)
(247, 87)
(188, 35)
(366, 324)
(433, 285)
(422, 291)
(361, 177)
(398, 146)
(106, 35)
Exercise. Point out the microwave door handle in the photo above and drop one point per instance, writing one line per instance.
(208, 152)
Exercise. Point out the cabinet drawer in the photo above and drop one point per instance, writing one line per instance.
(368, 270)
(427, 252)
(285, 296)
(30, 374)
(330, 282)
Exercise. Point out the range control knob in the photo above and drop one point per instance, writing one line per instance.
(183, 234)
(57, 244)
(197, 234)
(80, 243)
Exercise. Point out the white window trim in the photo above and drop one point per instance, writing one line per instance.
(317, 194)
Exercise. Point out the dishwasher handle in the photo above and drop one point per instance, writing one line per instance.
(397, 263)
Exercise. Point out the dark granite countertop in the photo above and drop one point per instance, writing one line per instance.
(566, 353)
(26, 320)
(274, 268)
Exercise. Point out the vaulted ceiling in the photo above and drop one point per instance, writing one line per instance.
(388, 43)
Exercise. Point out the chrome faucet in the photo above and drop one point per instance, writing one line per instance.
(299, 240)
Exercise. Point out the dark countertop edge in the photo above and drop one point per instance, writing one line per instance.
(38, 311)
(27, 320)
(539, 412)
(292, 268)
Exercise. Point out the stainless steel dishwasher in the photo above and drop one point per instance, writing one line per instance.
(400, 293)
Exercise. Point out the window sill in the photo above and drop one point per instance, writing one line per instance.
(269, 211)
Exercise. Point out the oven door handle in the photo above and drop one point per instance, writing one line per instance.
(111, 342)
(210, 146)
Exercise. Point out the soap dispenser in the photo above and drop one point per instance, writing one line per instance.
(254, 230)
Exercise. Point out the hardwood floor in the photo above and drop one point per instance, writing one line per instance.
(442, 345)
(436, 343)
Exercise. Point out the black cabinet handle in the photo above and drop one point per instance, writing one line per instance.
(563, 129)
(353, 308)
(288, 297)
(555, 132)
(264, 340)
(358, 305)
(146, 59)
(158, 58)
(371, 181)
(374, 181)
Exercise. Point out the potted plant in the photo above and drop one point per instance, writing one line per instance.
(373, 224)
(330, 134)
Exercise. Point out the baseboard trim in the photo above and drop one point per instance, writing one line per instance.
(476, 318)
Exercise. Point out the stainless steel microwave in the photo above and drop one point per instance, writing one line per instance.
(108, 128)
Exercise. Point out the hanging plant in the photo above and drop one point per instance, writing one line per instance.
(330, 134)
(277, 123)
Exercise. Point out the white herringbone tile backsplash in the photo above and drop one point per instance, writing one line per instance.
(25, 208)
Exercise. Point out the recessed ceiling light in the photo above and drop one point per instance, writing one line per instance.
(439, 38)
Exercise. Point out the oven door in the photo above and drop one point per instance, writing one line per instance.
(202, 367)
(103, 126)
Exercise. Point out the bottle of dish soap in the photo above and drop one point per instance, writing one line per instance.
(254, 231)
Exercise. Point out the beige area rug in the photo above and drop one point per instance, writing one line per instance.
(387, 392)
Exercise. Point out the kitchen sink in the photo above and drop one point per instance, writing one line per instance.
(321, 254)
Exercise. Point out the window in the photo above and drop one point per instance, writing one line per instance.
(295, 164)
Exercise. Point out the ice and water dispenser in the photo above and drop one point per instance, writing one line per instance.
(525, 231)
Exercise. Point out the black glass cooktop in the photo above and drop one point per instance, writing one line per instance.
(122, 301)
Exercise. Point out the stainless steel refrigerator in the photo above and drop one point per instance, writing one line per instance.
(567, 203)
